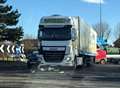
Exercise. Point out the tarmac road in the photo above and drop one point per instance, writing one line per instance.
(98, 76)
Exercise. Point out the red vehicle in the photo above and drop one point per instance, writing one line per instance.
(101, 56)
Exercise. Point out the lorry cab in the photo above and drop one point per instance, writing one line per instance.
(55, 41)
(66, 41)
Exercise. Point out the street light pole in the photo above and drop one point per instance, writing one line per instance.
(100, 20)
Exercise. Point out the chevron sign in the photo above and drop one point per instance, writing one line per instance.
(13, 49)
(1, 48)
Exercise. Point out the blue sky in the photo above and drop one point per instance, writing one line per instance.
(33, 10)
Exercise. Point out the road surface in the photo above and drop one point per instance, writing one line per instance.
(98, 76)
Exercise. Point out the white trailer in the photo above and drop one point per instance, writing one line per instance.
(66, 41)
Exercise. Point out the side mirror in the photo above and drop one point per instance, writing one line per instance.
(74, 35)
(39, 34)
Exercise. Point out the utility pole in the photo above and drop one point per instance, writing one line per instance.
(101, 35)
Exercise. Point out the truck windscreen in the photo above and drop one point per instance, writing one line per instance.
(56, 34)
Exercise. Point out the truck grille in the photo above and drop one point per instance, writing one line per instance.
(54, 56)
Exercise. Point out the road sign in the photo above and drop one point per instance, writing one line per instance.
(1, 48)
(8, 48)
(12, 49)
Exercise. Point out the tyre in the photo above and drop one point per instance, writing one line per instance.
(75, 64)
(87, 61)
(102, 61)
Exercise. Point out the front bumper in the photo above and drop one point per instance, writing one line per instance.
(57, 64)
(62, 63)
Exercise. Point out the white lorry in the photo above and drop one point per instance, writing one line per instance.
(66, 41)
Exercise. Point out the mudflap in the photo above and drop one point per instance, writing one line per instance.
(78, 63)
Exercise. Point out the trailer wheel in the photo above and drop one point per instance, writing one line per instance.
(88, 61)
(102, 61)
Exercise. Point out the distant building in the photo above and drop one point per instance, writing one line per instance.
(117, 43)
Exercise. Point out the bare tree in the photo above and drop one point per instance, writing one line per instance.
(117, 31)
(30, 42)
(103, 30)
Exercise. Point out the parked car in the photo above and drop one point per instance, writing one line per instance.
(33, 60)
(101, 56)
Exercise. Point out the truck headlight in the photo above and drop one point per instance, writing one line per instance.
(68, 59)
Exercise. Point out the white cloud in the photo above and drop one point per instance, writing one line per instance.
(94, 1)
